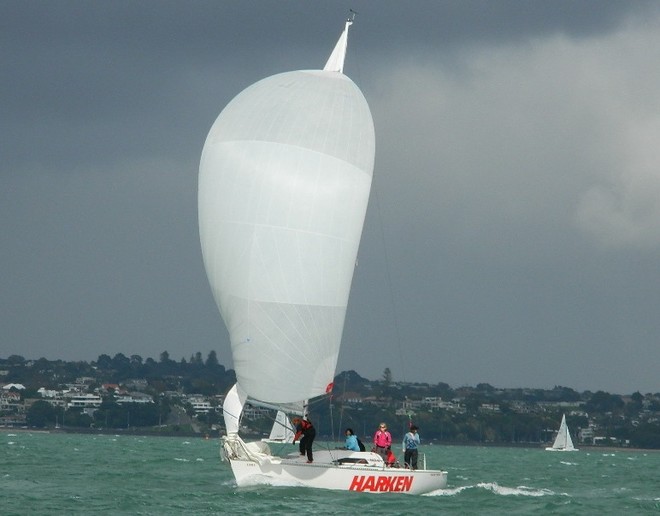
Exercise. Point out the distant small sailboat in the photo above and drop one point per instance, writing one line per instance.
(282, 431)
(563, 441)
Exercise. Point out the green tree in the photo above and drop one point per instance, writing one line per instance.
(485, 387)
(125, 415)
(104, 362)
(122, 365)
(212, 360)
(387, 377)
(604, 402)
(41, 414)
(77, 418)
(14, 360)
(387, 382)
(166, 365)
(646, 436)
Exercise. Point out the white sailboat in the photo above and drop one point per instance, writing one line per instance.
(563, 441)
(284, 182)
(282, 430)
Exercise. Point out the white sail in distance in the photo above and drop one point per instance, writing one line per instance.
(563, 441)
(284, 181)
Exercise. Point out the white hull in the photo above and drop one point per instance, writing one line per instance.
(550, 448)
(332, 469)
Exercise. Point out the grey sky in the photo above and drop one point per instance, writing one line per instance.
(513, 231)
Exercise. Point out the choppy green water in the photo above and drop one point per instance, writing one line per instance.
(44, 473)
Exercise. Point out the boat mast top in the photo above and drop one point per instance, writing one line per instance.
(336, 61)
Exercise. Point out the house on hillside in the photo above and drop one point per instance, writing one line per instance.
(10, 386)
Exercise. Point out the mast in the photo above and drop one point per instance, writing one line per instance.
(336, 60)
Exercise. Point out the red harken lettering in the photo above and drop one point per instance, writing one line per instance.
(381, 484)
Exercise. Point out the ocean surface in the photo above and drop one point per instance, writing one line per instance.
(55, 473)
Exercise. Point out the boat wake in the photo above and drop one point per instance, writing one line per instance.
(497, 489)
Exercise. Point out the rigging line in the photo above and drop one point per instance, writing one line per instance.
(316, 400)
(332, 419)
(341, 410)
(239, 418)
(390, 289)
(354, 57)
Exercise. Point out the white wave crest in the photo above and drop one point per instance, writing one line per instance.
(497, 489)
(449, 492)
(515, 491)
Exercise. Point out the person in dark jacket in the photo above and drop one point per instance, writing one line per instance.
(306, 432)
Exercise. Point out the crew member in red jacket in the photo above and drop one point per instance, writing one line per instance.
(305, 429)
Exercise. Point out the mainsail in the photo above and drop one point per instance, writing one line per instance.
(284, 182)
(282, 430)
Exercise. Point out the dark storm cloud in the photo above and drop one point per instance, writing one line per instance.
(514, 207)
(106, 70)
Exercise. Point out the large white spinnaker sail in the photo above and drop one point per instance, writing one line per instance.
(284, 182)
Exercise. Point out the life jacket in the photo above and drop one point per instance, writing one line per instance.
(302, 428)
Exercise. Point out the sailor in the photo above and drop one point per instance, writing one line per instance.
(351, 440)
(305, 429)
(391, 461)
(382, 441)
(410, 444)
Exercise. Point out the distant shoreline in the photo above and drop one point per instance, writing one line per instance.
(209, 436)
(107, 431)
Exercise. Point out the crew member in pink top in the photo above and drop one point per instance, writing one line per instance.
(382, 441)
